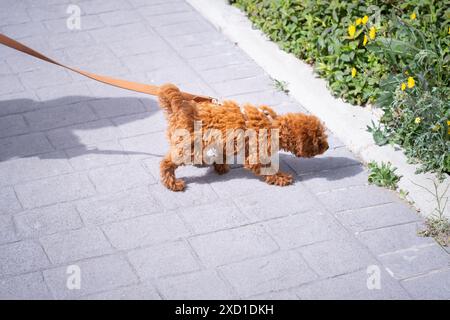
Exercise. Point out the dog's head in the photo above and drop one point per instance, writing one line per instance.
(303, 135)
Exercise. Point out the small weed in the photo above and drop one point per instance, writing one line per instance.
(378, 135)
(383, 175)
(281, 85)
(437, 225)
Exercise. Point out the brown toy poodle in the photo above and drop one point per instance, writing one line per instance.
(301, 134)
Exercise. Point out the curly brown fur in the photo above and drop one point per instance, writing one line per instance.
(303, 135)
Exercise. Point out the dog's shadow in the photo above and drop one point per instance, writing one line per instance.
(328, 167)
(46, 129)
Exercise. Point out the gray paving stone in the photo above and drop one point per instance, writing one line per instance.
(44, 78)
(276, 202)
(53, 190)
(145, 230)
(141, 45)
(227, 73)
(76, 245)
(335, 257)
(47, 221)
(47, 12)
(323, 181)
(119, 33)
(61, 116)
(303, 229)
(10, 84)
(188, 27)
(198, 194)
(116, 207)
(195, 286)
(227, 246)
(89, 133)
(8, 201)
(7, 229)
(276, 272)
(143, 146)
(30, 286)
(97, 275)
(163, 260)
(31, 258)
(352, 286)
(225, 59)
(267, 97)
(67, 40)
(24, 145)
(22, 30)
(390, 239)
(12, 125)
(15, 103)
(415, 261)
(102, 154)
(172, 18)
(88, 22)
(98, 6)
(63, 94)
(213, 217)
(377, 217)
(434, 285)
(115, 18)
(179, 42)
(24, 63)
(240, 86)
(165, 8)
(356, 197)
(150, 61)
(135, 292)
(331, 159)
(120, 177)
(107, 108)
(142, 123)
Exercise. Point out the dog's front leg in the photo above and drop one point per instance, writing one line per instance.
(279, 178)
(167, 171)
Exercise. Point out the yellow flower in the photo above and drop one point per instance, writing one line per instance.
(353, 72)
(406, 72)
(413, 16)
(364, 20)
(365, 40)
(417, 120)
(448, 126)
(411, 82)
(448, 30)
(372, 33)
(436, 128)
(351, 30)
(403, 86)
(358, 21)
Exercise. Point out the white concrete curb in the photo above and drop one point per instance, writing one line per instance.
(346, 121)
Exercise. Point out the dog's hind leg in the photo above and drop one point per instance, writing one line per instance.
(221, 168)
(167, 171)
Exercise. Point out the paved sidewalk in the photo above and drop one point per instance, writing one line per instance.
(79, 182)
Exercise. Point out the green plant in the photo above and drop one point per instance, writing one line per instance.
(378, 134)
(383, 175)
(393, 53)
(281, 85)
(437, 225)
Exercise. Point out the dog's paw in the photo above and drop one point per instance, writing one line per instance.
(280, 179)
(221, 168)
(177, 185)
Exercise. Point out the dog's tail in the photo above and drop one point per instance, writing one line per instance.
(170, 98)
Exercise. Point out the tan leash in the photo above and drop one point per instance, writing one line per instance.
(124, 84)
